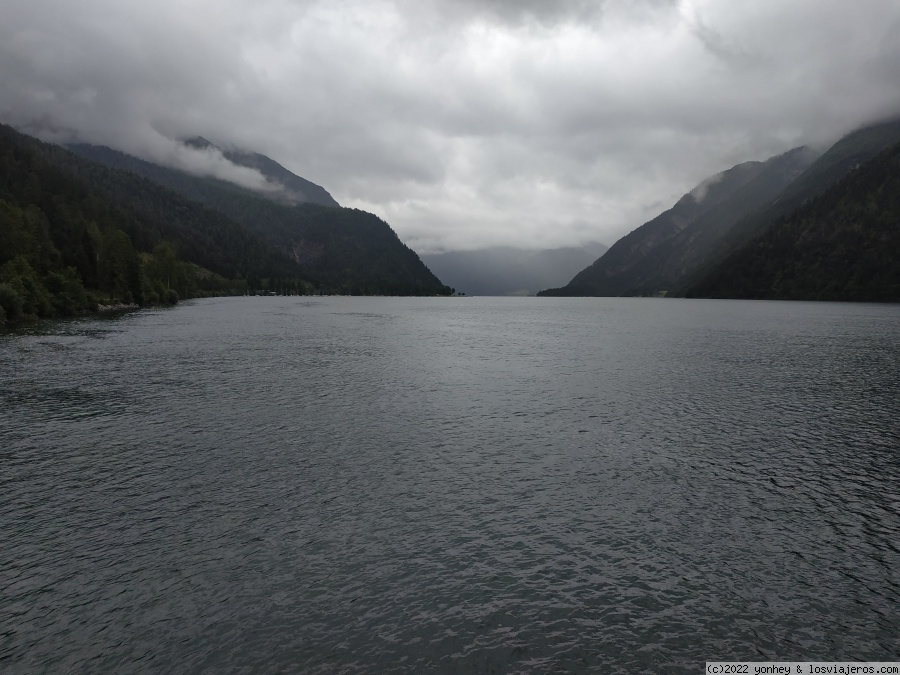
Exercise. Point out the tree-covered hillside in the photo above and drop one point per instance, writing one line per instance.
(652, 258)
(847, 154)
(842, 245)
(64, 247)
(75, 234)
(674, 252)
(343, 250)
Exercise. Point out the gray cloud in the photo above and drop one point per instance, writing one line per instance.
(463, 124)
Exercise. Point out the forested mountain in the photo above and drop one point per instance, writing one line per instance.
(75, 233)
(505, 270)
(655, 256)
(842, 245)
(287, 187)
(64, 247)
(838, 161)
(200, 234)
(668, 257)
(295, 188)
(344, 250)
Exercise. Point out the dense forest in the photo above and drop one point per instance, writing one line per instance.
(341, 249)
(75, 235)
(675, 253)
(65, 248)
(841, 159)
(841, 245)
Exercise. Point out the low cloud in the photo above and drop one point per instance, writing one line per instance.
(699, 193)
(463, 124)
(209, 162)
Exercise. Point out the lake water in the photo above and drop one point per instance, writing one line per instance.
(451, 485)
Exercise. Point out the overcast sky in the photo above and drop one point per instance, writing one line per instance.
(463, 123)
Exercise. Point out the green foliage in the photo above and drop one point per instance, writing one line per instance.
(64, 246)
(79, 203)
(11, 304)
(120, 270)
(164, 265)
(25, 232)
(67, 294)
(55, 235)
(24, 280)
(14, 237)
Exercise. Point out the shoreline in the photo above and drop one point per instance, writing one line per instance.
(118, 307)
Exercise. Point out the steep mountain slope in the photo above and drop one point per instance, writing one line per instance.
(65, 246)
(147, 212)
(295, 189)
(654, 256)
(343, 250)
(839, 160)
(690, 249)
(841, 245)
(676, 250)
(505, 270)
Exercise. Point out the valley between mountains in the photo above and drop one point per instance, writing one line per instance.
(86, 225)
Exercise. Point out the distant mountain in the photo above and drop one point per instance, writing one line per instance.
(342, 250)
(652, 258)
(296, 189)
(842, 245)
(505, 270)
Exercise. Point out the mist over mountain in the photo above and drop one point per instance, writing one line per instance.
(344, 250)
(652, 257)
(75, 233)
(294, 189)
(506, 270)
(674, 251)
(844, 156)
(780, 228)
(464, 124)
(841, 245)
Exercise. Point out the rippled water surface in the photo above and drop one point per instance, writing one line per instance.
(450, 485)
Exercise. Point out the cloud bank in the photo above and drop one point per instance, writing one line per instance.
(464, 124)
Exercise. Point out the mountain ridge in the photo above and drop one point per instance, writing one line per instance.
(666, 256)
(637, 263)
(296, 189)
(346, 250)
(841, 245)
(78, 212)
(846, 154)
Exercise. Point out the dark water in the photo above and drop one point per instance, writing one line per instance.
(451, 485)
